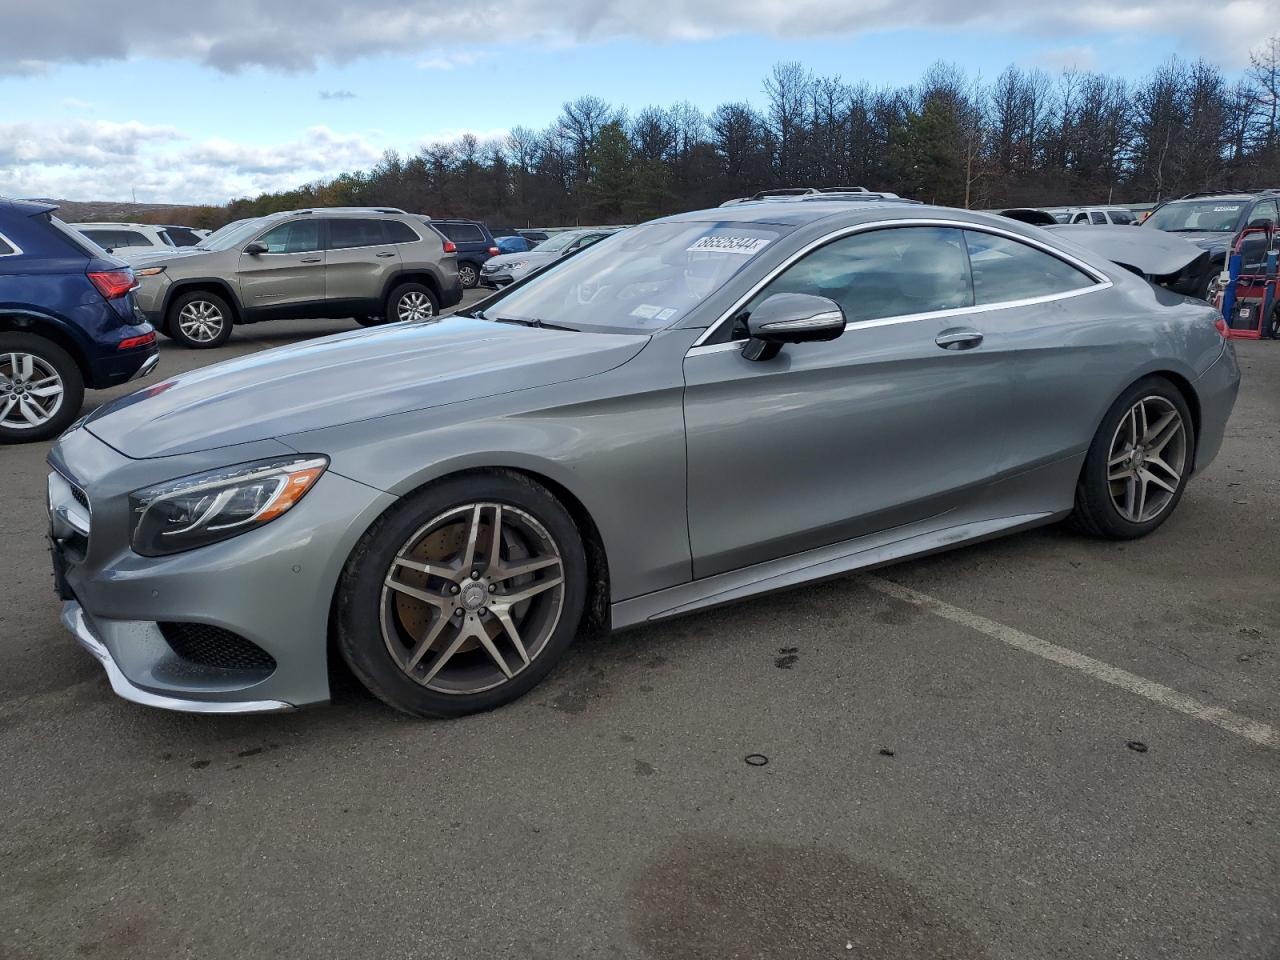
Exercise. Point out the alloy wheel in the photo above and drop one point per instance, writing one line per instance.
(414, 305)
(472, 598)
(468, 275)
(201, 321)
(31, 391)
(1147, 459)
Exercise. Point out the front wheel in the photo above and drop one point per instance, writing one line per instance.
(41, 388)
(1138, 464)
(463, 596)
(410, 302)
(199, 320)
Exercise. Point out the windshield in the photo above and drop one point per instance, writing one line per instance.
(1197, 216)
(638, 280)
(560, 240)
(230, 235)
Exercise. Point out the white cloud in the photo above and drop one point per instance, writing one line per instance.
(1066, 58)
(90, 160)
(297, 35)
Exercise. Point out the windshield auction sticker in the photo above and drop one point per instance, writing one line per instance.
(744, 246)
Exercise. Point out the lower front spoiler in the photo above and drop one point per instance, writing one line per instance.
(74, 620)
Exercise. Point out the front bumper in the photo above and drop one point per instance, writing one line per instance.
(271, 586)
(496, 281)
(73, 619)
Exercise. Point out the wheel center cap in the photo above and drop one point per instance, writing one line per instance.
(474, 595)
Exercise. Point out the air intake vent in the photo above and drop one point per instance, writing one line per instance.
(215, 647)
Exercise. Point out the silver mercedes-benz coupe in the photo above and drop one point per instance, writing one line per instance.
(695, 410)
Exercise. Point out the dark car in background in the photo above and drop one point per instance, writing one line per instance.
(68, 322)
(1212, 221)
(475, 244)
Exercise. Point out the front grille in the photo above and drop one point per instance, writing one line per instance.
(215, 647)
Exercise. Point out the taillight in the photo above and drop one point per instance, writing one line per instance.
(1221, 326)
(129, 343)
(113, 284)
(450, 247)
(494, 251)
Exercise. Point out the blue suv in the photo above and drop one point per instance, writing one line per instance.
(68, 322)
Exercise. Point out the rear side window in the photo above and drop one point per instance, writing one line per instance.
(1123, 217)
(460, 232)
(118, 238)
(1097, 216)
(883, 273)
(182, 237)
(399, 232)
(297, 236)
(6, 248)
(1005, 270)
(345, 234)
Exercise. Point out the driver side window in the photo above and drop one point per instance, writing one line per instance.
(296, 236)
(890, 272)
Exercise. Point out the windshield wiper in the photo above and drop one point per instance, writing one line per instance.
(540, 324)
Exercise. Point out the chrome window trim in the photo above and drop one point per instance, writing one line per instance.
(1101, 280)
(17, 250)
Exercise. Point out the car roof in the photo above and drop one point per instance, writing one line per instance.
(113, 223)
(800, 211)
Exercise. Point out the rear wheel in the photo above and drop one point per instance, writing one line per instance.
(463, 597)
(469, 275)
(1139, 463)
(41, 388)
(199, 320)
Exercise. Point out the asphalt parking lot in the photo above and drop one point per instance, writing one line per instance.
(1044, 746)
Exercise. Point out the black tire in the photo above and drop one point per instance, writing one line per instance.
(1096, 512)
(1272, 328)
(358, 608)
(55, 359)
(428, 305)
(468, 275)
(371, 321)
(213, 306)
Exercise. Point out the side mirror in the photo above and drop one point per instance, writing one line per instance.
(256, 248)
(791, 318)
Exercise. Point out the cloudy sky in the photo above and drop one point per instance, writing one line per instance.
(202, 102)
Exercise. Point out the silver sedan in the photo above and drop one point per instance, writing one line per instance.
(693, 411)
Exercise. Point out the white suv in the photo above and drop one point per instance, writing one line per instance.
(1100, 216)
(126, 240)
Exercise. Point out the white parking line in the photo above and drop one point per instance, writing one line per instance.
(1260, 733)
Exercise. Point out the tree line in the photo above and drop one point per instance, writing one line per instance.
(1024, 138)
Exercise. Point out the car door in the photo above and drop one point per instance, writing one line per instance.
(1063, 356)
(897, 420)
(289, 277)
(360, 260)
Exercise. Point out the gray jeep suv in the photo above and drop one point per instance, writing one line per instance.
(377, 265)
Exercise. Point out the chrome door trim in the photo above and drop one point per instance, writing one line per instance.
(1102, 282)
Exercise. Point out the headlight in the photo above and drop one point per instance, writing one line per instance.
(517, 265)
(208, 507)
(149, 272)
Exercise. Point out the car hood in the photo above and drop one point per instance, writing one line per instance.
(146, 257)
(532, 258)
(1152, 253)
(349, 377)
(1213, 242)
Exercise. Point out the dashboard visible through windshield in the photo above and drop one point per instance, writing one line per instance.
(638, 280)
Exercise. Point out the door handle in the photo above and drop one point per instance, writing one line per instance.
(384, 254)
(310, 260)
(958, 339)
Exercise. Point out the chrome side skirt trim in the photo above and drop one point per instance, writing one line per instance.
(73, 619)
(801, 568)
